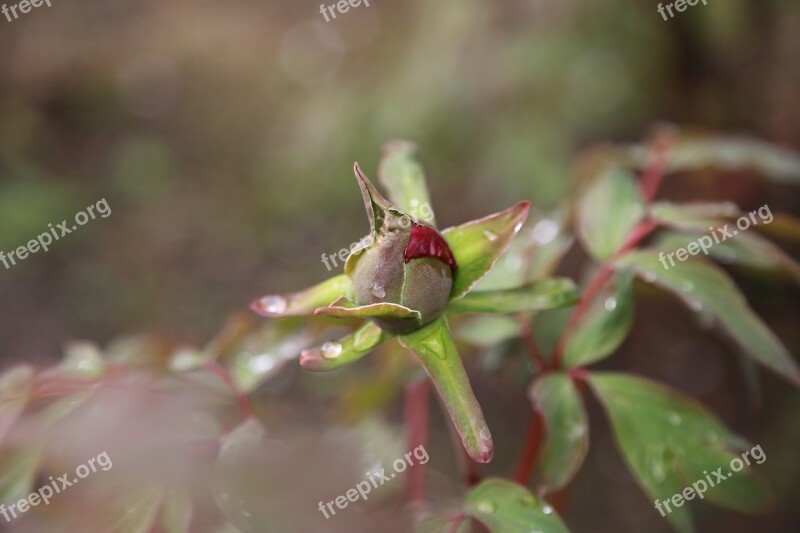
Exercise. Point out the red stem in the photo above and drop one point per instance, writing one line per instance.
(416, 421)
(531, 449)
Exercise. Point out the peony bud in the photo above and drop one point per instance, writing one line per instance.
(408, 263)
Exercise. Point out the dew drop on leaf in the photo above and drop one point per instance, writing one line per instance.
(547, 509)
(273, 304)
(490, 235)
(378, 291)
(486, 507)
(610, 304)
(331, 350)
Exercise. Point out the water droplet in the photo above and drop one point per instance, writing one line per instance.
(261, 363)
(547, 509)
(610, 304)
(518, 227)
(378, 291)
(657, 470)
(687, 286)
(485, 434)
(486, 507)
(695, 305)
(674, 419)
(489, 235)
(545, 231)
(273, 304)
(649, 277)
(414, 202)
(331, 350)
(576, 432)
(514, 263)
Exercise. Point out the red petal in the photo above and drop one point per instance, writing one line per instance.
(426, 242)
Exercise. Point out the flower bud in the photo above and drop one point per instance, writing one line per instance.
(408, 263)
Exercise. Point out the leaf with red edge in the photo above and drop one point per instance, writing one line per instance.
(477, 244)
(304, 302)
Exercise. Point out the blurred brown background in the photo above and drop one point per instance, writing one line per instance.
(222, 135)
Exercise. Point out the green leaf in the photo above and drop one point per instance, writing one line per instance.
(177, 512)
(436, 351)
(333, 355)
(345, 308)
(505, 507)
(477, 244)
(692, 217)
(559, 401)
(703, 286)
(265, 352)
(729, 153)
(532, 255)
(544, 294)
(19, 465)
(605, 325)
(670, 441)
(404, 178)
(304, 302)
(486, 330)
(609, 208)
(16, 386)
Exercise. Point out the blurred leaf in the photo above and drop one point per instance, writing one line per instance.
(477, 244)
(609, 208)
(335, 354)
(532, 255)
(544, 294)
(436, 351)
(306, 301)
(176, 512)
(139, 512)
(703, 286)
(487, 330)
(16, 386)
(19, 466)
(694, 216)
(559, 401)
(505, 507)
(548, 327)
(728, 153)
(670, 441)
(404, 178)
(605, 326)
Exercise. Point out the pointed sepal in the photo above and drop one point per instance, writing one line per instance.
(335, 354)
(479, 243)
(304, 303)
(436, 350)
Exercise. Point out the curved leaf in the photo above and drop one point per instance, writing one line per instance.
(545, 294)
(559, 401)
(609, 208)
(404, 178)
(670, 441)
(335, 354)
(306, 301)
(477, 244)
(605, 326)
(436, 351)
(703, 286)
(505, 507)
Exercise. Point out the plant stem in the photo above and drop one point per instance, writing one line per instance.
(530, 450)
(416, 420)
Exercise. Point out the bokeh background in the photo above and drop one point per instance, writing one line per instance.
(222, 135)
